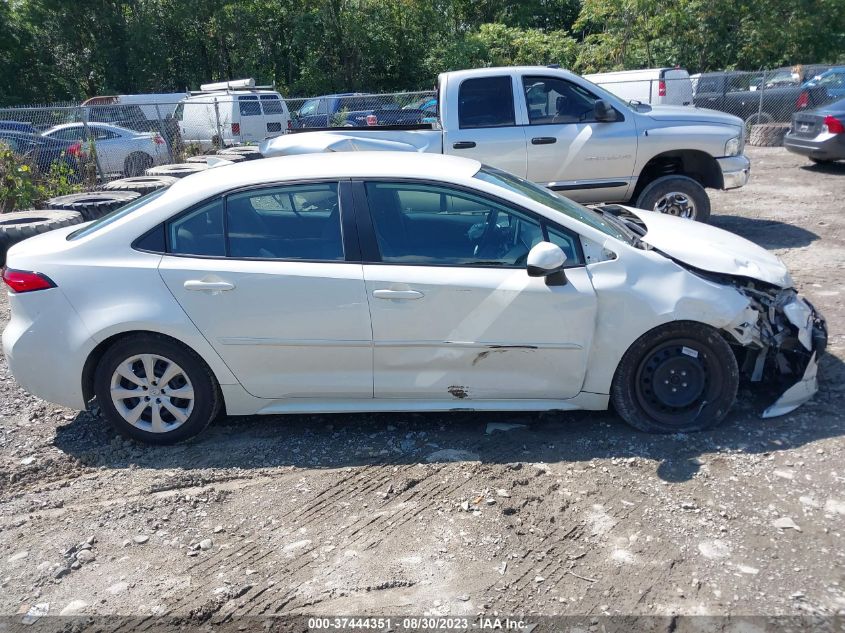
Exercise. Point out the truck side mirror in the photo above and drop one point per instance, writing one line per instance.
(547, 260)
(603, 111)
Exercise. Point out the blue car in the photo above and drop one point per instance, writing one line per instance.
(17, 126)
(833, 80)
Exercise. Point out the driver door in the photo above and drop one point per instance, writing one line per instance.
(568, 150)
(454, 314)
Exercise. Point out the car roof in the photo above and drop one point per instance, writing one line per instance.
(107, 126)
(505, 70)
(327, 165)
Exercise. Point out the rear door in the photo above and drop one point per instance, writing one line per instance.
(251, 120)
(278, 292)
(455, 315)
(275, 115)
(485, 126)
(678, 87)
(568, 150)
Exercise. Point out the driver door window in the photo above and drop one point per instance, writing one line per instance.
(551, 100)
(435, 226)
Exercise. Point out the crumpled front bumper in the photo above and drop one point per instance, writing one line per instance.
(812, 336)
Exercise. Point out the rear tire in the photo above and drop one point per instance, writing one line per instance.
(677, 378)
(160, 413)
(676, 195)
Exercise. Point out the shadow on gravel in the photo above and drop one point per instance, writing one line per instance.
(826, 168)
(765, 233)
(338, 441)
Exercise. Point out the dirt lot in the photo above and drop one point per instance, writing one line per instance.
(440, 514)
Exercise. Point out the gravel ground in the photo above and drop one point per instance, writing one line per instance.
(441, 513)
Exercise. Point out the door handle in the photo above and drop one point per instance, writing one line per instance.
(543, 140)
(211, 286)
(463, 145)
(397, 294)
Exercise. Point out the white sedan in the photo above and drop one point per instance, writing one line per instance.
(397, 282)
(119, 150)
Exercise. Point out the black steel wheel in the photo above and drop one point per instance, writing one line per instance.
(679, 377)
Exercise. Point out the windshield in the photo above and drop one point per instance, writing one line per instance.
(115, 215)
(555, 202)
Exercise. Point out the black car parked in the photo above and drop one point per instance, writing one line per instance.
(755, 97)
(818, 134)
(44, 151)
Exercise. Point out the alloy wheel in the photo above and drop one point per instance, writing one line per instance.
(677, 204)
(152, 393)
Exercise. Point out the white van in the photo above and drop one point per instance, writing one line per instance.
(232, 112)
(656, 86)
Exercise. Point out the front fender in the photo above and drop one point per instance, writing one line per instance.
(641, 290)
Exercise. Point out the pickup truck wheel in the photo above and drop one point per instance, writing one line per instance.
(676, 195)
(677, 378)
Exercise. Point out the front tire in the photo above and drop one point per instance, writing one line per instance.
(676, 195)
(677, 378)
(155, 390)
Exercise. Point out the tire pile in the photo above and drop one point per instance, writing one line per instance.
(768, 134)
(83, 207)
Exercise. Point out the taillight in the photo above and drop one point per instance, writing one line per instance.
(25, 281)
(834, 125)
(661, 88)
(803, 100)
(236, 128)
(372, 119)
(158, 140)
(75, 150)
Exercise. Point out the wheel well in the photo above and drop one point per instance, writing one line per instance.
(93, 360)
(700, 166)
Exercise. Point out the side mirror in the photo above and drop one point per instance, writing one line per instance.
(603, 111)
(547, 260)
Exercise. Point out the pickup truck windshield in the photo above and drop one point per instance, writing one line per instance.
(545, 197)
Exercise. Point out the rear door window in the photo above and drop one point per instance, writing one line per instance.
(198, 232)
(249, 106)
(486, 102)
(291, 222)
(272, 104)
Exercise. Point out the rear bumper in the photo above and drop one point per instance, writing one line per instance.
(735, 171)
(831, 148)
(46, 345)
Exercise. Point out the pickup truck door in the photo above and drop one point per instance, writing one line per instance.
(568, 150)
(484, 127)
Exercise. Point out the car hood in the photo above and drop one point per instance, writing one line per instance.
(711, 249)
(687, 113)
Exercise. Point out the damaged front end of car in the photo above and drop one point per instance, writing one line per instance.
(782, 336)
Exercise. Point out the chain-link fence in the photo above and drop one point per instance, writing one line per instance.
(763, 97)
(104, 139)
(114, 140)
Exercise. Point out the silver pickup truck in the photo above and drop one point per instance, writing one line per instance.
(558, 129)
